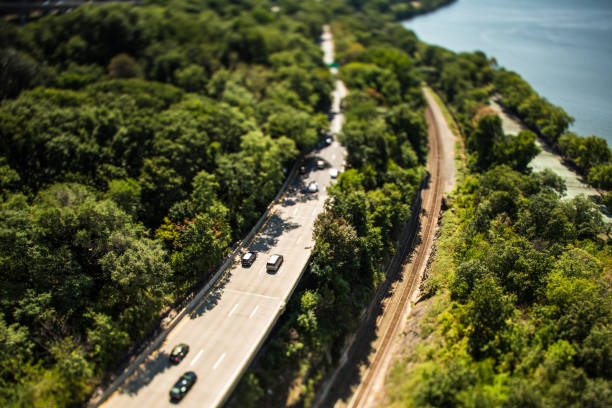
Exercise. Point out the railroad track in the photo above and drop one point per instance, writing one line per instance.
(431, 203)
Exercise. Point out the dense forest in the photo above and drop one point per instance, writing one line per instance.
(154, 139)
(139, 143)
(520, 292)
(385, 134)
(517, 306)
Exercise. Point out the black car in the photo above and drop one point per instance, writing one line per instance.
(248, 259)
(178, 352)
(302, 169)
(183, 385)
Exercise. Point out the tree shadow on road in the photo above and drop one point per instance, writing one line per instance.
(263, 242)
(211, 299)
(268, 238)
(144, 374)
(298, 193)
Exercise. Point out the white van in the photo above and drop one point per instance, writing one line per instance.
(274, 263)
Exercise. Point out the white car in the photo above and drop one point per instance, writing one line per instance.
(333, 173)
(313, 187)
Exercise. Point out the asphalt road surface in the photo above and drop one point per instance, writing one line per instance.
(226, 329)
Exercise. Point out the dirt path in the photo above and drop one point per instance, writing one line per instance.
(361, 378)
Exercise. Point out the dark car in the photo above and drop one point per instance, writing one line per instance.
(248, 259)
(178, 353)
(183, 385)
(302, 170)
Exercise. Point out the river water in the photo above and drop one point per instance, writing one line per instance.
(563, 48)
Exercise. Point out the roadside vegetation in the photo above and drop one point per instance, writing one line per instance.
(468, 80)
(520, 302)
(385, 134)
(137, 144)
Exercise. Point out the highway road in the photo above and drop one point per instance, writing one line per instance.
(225, 330)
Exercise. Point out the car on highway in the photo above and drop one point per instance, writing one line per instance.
(302, 169)
(333, 173)
(274, 262)
(313, 187)
(183, 385)
(248, 259)
(320, 164)
(328, 140)
(178, 353)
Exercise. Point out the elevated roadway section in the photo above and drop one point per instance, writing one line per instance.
(225, 330)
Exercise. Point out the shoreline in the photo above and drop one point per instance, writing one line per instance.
(548, 159)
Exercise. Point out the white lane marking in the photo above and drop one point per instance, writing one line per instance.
(219, 361)
(251, 294)
(234, 309)
(295, 211)
(298, 240)
(253, 312)
(196, 358)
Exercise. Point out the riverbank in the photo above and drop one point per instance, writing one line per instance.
(559, 47)
(548, 159)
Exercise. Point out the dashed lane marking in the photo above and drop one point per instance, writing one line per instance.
(253, 312)
(234, 309)
(219, 361)
(196, 358)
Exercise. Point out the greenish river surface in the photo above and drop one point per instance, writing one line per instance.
(563, 48)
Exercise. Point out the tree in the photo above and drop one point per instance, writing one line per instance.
(487, 133)
(192, 78)
(15, 349)
(600, 176)
(517, 151)
(204, 192)
(106, 340)
(161, 187)
(440, 387)
(126, 193)
(465, 277)
(124, 66)
(18, 71)
(202, 244)
(295, 125)
(487, 311)
(139, 275)
(586, 152)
